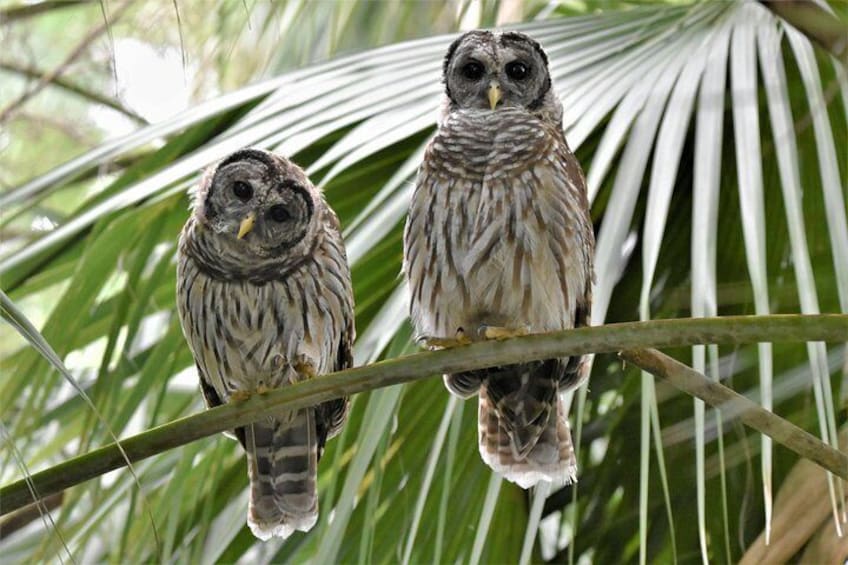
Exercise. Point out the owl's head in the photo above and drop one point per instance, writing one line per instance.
(258, 203)
(490, 70)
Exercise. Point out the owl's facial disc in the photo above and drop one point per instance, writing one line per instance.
(472, 79)
(285, 215)
(488, 71)
(254, 208)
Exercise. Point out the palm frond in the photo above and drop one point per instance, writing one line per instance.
(723, 190)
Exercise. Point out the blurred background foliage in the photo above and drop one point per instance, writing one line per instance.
(713, 136)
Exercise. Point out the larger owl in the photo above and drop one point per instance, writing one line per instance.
(265, 300)
(499, 242)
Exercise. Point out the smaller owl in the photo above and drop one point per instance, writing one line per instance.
(265, 300)
(499, 243)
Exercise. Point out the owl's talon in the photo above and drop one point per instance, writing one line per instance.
(500, 333)
(263, 388)
(239, 395)
(433, 342)
(305, 367)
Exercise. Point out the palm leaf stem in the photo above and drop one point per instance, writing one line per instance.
(716, 394)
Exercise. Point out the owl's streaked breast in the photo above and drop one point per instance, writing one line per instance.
(500, 226)
(243, 335)
(477, 144)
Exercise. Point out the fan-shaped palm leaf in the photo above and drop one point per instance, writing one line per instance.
(679, 159)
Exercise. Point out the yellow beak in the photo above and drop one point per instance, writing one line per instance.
(494, 94)
(246, 225)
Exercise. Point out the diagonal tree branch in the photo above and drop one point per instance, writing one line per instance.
(70, 86)
(24, 11)
(24, 516)
(60, 69)
(602, 339)
(801, 509)
(719, 396)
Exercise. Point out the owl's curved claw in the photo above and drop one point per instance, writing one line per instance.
(239, 395)
(433, 342)
(279, 361)
(304, 366)
(500, 333)
(242, 395)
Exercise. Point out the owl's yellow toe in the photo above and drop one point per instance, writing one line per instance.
(239, 395)
(305, 367)
(500, 333)
(433, 342)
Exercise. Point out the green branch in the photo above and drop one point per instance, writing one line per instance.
(602, 339)
(719, 396)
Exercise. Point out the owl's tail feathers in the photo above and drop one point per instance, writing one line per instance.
(550, 458)
(464, 385)
(282, 463)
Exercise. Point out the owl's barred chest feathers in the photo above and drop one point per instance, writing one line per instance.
(479, 144)
(500, 231)
(244, 332)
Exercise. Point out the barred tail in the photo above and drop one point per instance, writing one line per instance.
(282, 463)
(464, 385)
(525, 455)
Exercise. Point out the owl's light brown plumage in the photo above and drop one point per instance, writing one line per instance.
(265, 299)
(499, 235)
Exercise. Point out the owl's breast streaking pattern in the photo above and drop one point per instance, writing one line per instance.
(496, 231)
(245, 335)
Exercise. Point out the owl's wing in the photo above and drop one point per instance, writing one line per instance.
(344, 358)
(330, 416)
(567, 169)
(576, 370)
(419, 256)
(210, 395)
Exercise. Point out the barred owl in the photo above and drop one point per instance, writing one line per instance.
(499, 242)
(264, 297)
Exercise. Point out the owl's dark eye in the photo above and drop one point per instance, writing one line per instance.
(242, 190)
(279, 213)
(517, 70)
(472, 70)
